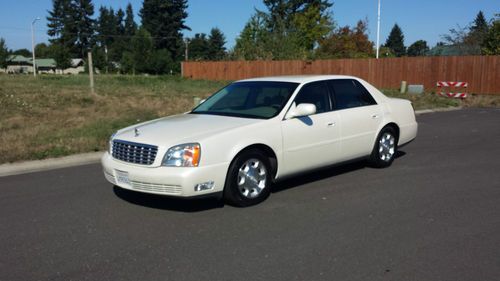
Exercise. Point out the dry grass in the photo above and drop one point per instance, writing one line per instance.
(52, 116)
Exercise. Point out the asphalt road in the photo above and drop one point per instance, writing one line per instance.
(433, 215)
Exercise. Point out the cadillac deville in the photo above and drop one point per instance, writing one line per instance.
(255, 132)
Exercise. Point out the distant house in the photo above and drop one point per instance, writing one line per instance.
(17, 64)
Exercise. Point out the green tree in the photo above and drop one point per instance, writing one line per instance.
(395, 41)
(161, 62)
(216, 42)
(419, 48)
(4, 53)
(22, 52)
(82, 12)
(130, 26)
(288, 29)
(198, 47)
(251, 44)
(491, 43)
(347, 42)
(43, 50)
(62, 31)
(142, 51)
(165, 21)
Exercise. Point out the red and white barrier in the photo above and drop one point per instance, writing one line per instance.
(452, 84)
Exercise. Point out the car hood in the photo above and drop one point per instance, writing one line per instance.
(181, 128)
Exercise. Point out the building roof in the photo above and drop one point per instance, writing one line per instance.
(46, 63)
(19, 59)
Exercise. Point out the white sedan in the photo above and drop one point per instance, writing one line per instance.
(254, 132)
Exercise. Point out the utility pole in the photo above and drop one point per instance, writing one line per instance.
(186, 51)
(33, 44)
(91, 73)
(378, 29)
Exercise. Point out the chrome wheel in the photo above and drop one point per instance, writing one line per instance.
(387, 147)
(252, 177)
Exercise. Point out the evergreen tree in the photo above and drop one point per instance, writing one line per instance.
(142, 51)
(419, 48)
(61, 29)
(81, 13)
(479, 25)
(216, 42)
(395, 41)
(165, 20)
(198, 47)
(491, 43)
(130, 26)
(4, 53)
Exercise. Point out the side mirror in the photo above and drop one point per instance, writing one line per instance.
(303, 109)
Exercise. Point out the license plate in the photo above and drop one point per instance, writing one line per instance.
(122, 178)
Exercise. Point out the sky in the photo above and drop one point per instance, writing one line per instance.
(419, 20)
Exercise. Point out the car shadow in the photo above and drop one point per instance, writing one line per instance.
(168, 203)
(324, 173)
(208, 203)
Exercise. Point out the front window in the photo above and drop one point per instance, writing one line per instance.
(257, 99)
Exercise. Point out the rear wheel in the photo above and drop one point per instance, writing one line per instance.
(249, 180)
(385, 148)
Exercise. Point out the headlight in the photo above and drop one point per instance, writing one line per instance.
(110, 143)
(184, 155)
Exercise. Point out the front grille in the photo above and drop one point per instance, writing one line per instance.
(137, 153)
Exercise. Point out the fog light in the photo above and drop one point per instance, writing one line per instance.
(204, 186)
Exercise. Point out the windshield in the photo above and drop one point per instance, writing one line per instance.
(248, 99)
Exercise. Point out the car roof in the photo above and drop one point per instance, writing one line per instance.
(298, 78)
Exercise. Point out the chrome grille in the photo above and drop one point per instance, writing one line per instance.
(137, 153)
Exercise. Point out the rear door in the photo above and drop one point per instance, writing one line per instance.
(359, 114)
(311, 141)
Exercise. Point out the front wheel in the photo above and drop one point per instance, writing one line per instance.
(248, 180)
(385, 148)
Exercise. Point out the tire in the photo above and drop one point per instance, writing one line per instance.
(385, 148)
(248, 180)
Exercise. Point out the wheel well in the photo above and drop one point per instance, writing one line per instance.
(395, 127)
(269, 152)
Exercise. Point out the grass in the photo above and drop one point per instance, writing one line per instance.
(52, 116)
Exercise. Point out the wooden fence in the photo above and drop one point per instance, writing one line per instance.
(481, 72)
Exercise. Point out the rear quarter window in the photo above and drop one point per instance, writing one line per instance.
(349, 93)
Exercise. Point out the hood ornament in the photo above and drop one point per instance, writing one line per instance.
(136, 131)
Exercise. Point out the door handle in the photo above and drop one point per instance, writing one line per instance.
(375, 116)
(331, 124)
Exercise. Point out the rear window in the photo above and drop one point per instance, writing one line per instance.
(350, 93)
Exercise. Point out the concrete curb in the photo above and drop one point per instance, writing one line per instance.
(442, 109)
(11, 169)
(94, 157)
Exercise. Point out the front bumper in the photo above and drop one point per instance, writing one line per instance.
(172, 181)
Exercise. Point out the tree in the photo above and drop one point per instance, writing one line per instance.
(43, 50)
(142, 51)
(395, 41)
(419, 48)
(82, 12)
(129, 25)
(4, 53)
(198, 47)
(22, 52)
(347, 42)
(491, 43)
(70, 25)
(289, 29)
(165, 20)
(216, 42)
(251, 44)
